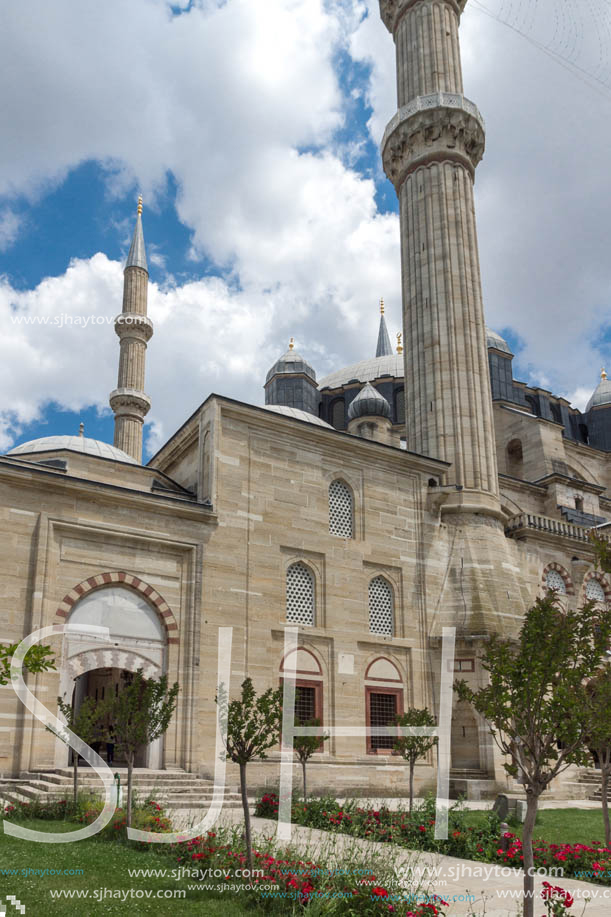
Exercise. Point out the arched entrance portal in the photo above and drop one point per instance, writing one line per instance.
(92, 664)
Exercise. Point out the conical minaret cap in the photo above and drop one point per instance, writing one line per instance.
(137, 251)
(384, 348)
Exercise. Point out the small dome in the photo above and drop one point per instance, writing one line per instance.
(602, 393)
(298, 414)
(496, 341)
(73, 444)
(291, 362)
(369, 402)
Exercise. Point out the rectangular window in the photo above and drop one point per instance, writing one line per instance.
(381, 707)
(308, 701)
(462, 665)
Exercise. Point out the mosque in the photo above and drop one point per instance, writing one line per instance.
(421, 488)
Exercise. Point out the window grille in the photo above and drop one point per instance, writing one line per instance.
(382, 711)
(340, 510)
(595, 591)
(380, 607)
(300, 594)
(554, 580)
(305, 704)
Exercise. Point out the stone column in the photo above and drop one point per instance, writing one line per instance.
(430, 151)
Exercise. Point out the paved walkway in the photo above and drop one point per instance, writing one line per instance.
(472, 888)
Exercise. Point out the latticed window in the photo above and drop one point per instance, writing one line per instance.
(300, 594)
(382, 711)
(554, 580)
(380, 607)
(595, 591)
(305, 703)
(340, 510)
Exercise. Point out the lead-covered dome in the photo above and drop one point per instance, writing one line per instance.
(291, 362)
(369, 403)
(80, 444)
(495, 341)
(602, 393)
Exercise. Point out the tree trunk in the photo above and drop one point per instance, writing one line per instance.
(532, 804)
(605, 801)
(75, 776)
(411, 785)
(246, 815)
(303, 767)
(130, 770)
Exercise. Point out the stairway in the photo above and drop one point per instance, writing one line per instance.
(172, 789)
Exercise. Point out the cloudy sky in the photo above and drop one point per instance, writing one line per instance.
(252, 130)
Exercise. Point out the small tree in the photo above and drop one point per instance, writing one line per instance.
(414, 747)
(535, 698)
(140, 713)
(597, 716)
(37, 659)
(305, 746)
(253, 726)
(85, 723)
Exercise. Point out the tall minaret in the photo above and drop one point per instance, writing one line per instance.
(430, 151)
(134, 328)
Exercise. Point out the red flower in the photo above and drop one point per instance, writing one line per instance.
(379, 892)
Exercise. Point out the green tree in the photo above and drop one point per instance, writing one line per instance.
(253, 725)
(305, 746)
(85, 723)
(535, 699)
(139, 714)
(414, 747)
(37, 659)
(597, 717)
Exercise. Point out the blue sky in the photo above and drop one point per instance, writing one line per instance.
(253, 135)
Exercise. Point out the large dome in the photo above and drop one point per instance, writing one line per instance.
(365, 371)
(73, 444)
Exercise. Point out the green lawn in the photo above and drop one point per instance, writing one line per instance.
(105, 865)
(558, 826)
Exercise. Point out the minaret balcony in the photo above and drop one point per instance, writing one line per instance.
(135, 325)
(392, 10)
(129, 402)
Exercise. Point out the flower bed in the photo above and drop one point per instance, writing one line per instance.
(303, 882)
(589, 862)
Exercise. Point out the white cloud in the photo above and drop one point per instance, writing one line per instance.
(10, 224)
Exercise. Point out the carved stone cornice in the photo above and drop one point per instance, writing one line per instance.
(132, 324)
(392, 10)
(129, 402)
(430, 129)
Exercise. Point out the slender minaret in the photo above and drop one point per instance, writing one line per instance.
(134, 328)
(430, 151)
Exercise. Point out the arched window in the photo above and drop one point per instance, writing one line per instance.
(595, 591)
(400, 405)
(380, 607)
(338, 414)
(300, 594)
(515, 457)
(555, 581)
(383, 701)
(341, 510)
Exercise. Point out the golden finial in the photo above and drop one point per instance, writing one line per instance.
(399, 344)
(292, 344)
(81, 429)
(603, 374)
(139, 205)
(381, 307)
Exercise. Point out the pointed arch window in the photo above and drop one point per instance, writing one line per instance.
(381, 607)
(555, 581)
(300, 593)
(595, 591)
(341, 510)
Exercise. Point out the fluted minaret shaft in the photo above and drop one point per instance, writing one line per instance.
(430, 151)
(134, 329)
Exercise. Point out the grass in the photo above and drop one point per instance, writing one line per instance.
(105, 865)
(556, 826)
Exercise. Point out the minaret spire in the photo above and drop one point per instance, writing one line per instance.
(134, 328)
(384, 348)
(430, 151)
